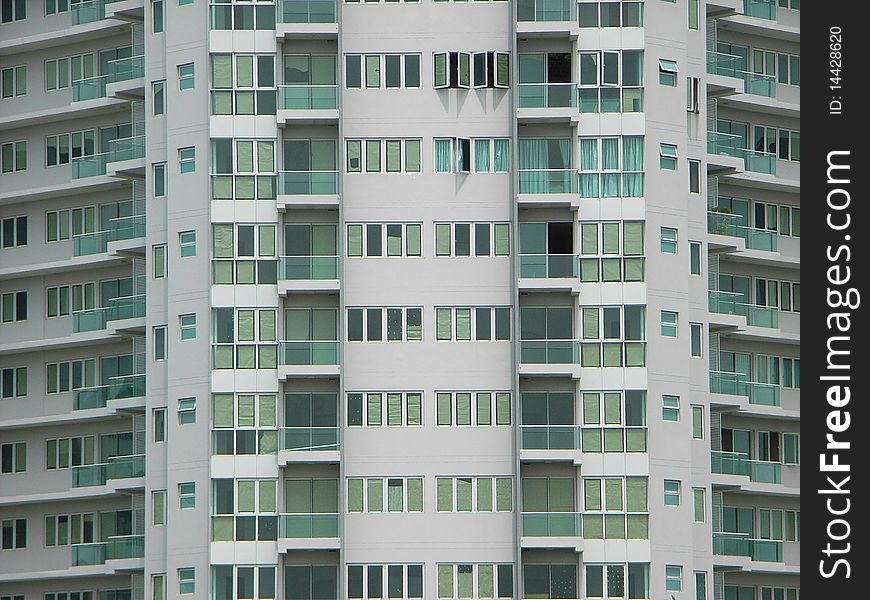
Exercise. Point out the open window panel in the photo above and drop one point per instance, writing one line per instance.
(463, 155)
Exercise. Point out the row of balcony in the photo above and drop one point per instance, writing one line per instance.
(122, 69)
(729, 65)
(121, 149)
(726, 144)
(97, 319)
(738, 384)
(720, 223)
(119, 547)
(736, 463)
(118, 467)
(733, 303)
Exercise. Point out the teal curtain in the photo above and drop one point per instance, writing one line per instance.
(502, 156)
(460, 156)
(481, 156)
(632, 161)
(533, 158)
(442, 156)
(610, 162)
(589, 162)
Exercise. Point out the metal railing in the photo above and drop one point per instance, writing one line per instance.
(117, 467)
(552, 524)
(304, 183)
(309, 438)
(737, 463)
(308, 353)
(308, 525)
(307, 97)
(125, 386)
(120, 228)
(547, 95)
(128, 307)
(301, 268)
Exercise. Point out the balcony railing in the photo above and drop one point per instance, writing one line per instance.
(127, 148)
(127, 386)
(309, 525)
(121, 228)
(732, 303)
(89, 11)
(296, 353)
(302, 268)
(307, 97)
(129, 307)
(736, 463)
(742, 544)
(547, 95)
(760, 9)
(738, 384)
(729, 224)
(118, 467)
(546, 10)
(726, 144)
(309, 438)
(586, 354)
(548, 181)
(548, 266)
(552, 524)
(587, 439)
(118, 547)
(728, 65)
(121, 69)
(306, 11)
(307, 183)
(89, 166)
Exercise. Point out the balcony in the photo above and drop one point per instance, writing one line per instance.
(586, 354)
(121, 547)
(129, 307)
(719, 223)
(308, 531)
(122, 69)
(732, 303)
(118, 467)
(726, 144)
(307, 18)
(736, 463)
(121, 388)
(307, 189)
(550, 272)
(121, 228)
(310, 268)
(547, 18)
(308, 358)
(307, 103)
(728, 65)
(738, 384)
(557, 438)
(89, 11)
(742, 544)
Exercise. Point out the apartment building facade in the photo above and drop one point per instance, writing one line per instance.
(324, 299)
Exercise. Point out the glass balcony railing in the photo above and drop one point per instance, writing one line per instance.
(733, 303)
(118, 467)
(548, 266)
(313, 525)
(89, 166)
(547, 95)
(121, 69)
(728, 65)
(729, 224)
(738, 384)
(760, 9)
(122, 228)
(307, 97)
(550, 437)
(549, 352)
(309, 438)
(307, 183)
(548, 181)
(88, 11)
(552, 524)
(306, 11)
(736, 463)
(128, 386)
(586, 354)
(301, 268)
(743, 544)
(308, 353)
(547, 10)
(127, 148)
(114, 548)
(586, 439)
(760, 162)
(129, 307)
(724, 144)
